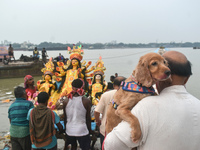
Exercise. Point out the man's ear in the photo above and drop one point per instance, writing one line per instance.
(186, 79)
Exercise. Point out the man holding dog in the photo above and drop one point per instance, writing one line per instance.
(170, 120)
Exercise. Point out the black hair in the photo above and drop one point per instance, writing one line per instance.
(61, 85)
(71, 67)
(86, 88)
(118, 80)
(19, 92)
(101, 81)
(43, 97)
(112, 77)
(77, 83)
(110, 86)
(98, 94)
(181, 69)
(94, 79)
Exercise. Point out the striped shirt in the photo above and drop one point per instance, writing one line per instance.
(17, 113)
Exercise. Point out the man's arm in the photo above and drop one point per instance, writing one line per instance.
(57, 122)
(112, 142)
(120, 136)
(64, 107)
(96, 116)
(87, 105)
(99, 109)
(60, 127)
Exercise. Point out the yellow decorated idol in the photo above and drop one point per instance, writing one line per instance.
(98, 85)
(59, 81)
(46, 85)
(73, 70)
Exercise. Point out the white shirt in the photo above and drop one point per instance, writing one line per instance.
(76, 117)
(170, 121)
(106, 99)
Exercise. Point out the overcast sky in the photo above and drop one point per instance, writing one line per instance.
(92, 21)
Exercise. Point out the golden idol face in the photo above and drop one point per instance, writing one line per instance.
(47, 77)
(98, 77)
(74, 62)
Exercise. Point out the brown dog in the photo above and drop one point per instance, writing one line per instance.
(152, 67)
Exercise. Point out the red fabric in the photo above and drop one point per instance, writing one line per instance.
(79, 91)
(32, 91)
(26, 78)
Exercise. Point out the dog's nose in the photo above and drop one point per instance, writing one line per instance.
(167, 72)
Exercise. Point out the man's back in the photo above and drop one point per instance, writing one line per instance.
(17, 113)
(168, 121)
(76, 117)
(18, 110)
(102, 107)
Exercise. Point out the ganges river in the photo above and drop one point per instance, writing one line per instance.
(121, 61)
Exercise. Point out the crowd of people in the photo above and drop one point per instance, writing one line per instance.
(170, 120)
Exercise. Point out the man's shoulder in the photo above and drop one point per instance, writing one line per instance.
(86, 99)
(111, 92)
(28, 102)
(108, 94)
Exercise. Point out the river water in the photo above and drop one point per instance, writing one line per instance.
(121, 61)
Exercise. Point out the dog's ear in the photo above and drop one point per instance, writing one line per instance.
(142, 73)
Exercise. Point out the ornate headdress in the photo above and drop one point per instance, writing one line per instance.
(49, 67)
(76, 52)
(99, 67)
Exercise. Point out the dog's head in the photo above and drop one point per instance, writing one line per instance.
(152, 67)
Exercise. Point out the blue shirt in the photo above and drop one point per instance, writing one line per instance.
(17, 113)
(54, 139)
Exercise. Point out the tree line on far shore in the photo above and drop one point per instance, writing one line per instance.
(111, 45)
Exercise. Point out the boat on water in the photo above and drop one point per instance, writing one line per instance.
(17, 69)
(161, 50)
(196, 47)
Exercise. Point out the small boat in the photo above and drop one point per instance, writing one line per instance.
(196, 47)
(161, 50)
(17, 69)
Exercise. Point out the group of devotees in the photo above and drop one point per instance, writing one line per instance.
(168, 121)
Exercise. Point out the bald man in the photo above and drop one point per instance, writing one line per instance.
(169, 121)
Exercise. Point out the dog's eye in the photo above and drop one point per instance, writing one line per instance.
(154, 64)
(165, 62)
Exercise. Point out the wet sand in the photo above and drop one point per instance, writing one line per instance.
(4, 117)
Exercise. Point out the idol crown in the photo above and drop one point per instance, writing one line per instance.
(76, 52)
(99, 67)
(49, 68)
